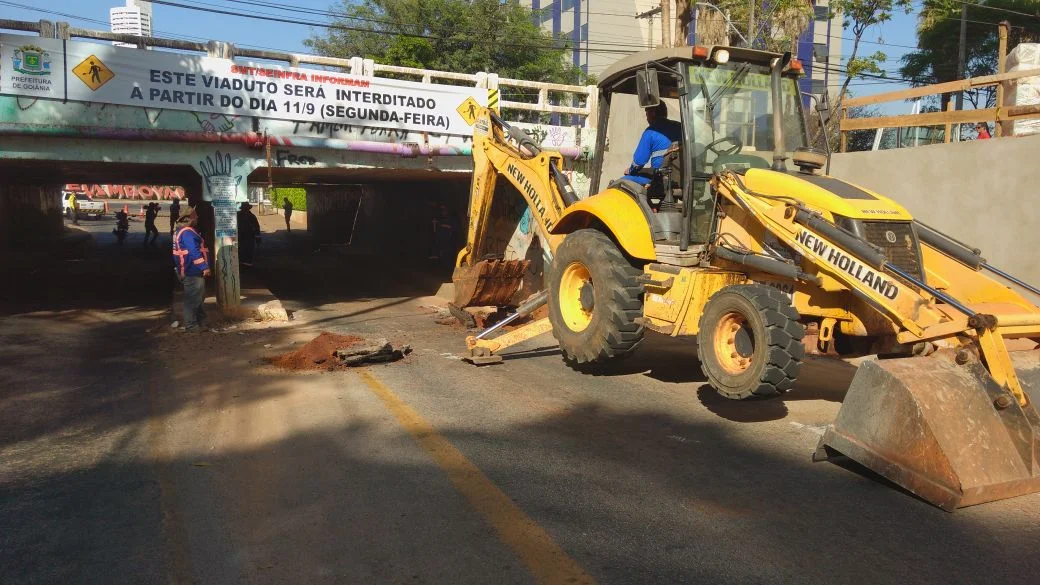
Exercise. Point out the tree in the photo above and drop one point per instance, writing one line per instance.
(775, 26)
(938, 34)
(466, 36)
(858, 16)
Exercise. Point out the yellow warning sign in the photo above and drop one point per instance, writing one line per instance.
(93, 72)
(469, 110)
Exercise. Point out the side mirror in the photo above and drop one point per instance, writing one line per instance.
(648, 88)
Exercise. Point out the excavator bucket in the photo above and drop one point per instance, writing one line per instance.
(945, 432)
(488, 283)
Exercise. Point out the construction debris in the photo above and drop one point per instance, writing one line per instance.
(378, 352)
(316, 354)
(464, 317)
(272, 311)
(330, 352)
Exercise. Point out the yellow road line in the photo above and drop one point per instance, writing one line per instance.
(545, 559)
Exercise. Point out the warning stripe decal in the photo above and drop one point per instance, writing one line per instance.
(493, 100)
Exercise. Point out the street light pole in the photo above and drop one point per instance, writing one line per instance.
(961, 50)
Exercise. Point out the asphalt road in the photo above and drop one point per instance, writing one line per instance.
(191, 460)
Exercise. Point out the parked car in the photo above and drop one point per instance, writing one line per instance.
(87, 206)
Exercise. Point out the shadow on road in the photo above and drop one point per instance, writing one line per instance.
(86, 269)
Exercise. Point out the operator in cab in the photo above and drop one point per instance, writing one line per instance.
(655, 142)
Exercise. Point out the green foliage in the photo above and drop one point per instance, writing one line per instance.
(298, 196)
(871, 64)
(858, 16)
(466, 36)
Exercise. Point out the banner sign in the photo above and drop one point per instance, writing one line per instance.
(89, 72)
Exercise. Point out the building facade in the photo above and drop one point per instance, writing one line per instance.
(133, 19)
(601, 32)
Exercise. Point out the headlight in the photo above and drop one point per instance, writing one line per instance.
(722, 56)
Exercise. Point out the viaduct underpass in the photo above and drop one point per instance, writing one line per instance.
(384, 172)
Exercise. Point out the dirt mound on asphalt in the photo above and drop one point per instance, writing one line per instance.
(316, 354)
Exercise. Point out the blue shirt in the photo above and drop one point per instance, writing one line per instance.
(189, 253)
(653, 144)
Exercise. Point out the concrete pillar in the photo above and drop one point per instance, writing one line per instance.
(30, 214)
(224, 187)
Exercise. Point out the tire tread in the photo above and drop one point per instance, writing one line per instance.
(783, 334)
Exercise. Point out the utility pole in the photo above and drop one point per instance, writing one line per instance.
(649, 14)
(751, 24)
(961, 53)
(666, 23)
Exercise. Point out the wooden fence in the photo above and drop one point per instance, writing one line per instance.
(950, 117)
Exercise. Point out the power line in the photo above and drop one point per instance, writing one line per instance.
(334, 26)
(997, 9)
(386, 22)
(105, 23)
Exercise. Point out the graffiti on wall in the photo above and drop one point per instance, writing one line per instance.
(160, 192)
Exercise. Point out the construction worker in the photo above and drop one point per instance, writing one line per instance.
(151, 212)
(191, 263)
(654, 143)
(287, 208)
(175, 213)
(75, 209)
(248, 234)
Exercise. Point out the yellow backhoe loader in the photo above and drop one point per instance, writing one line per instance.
(763, 263)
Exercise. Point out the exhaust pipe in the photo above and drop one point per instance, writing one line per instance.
(779, 146)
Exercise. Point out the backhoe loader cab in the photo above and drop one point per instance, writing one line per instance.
(723, 98)
(762, 263)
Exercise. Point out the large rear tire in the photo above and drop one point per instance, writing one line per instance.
(750, 342)
(594, 299)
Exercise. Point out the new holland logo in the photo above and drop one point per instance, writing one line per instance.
(31, 60)
(837, 258)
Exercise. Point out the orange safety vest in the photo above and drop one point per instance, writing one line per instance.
(181, 254)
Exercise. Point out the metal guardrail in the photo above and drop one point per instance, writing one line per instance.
(585, 95)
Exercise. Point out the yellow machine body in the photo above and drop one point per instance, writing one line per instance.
(949, 414)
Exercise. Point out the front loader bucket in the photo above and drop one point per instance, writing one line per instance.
(488, 283)
(933, 427)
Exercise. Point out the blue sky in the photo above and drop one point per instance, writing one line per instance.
(182, 23)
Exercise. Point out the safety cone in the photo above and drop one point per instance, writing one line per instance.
(142, 212)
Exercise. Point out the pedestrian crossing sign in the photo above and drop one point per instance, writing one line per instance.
(469, 110)
(93, 72)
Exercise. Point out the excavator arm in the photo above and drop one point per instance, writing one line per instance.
(955, 421)
(483, 276)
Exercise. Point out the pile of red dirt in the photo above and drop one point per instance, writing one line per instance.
(316, 354)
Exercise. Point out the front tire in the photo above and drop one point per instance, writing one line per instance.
(750, 342)
(594, 299)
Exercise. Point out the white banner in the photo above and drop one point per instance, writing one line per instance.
(89, 72)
